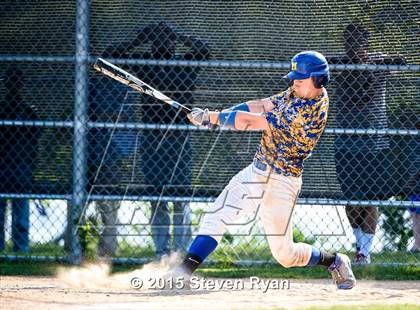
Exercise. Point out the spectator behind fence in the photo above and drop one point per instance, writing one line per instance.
(415, 216)
(411, 183)
(363, 162)
(18, 149)
(166, 154)
(109, 151)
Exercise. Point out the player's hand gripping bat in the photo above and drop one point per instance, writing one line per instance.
(126, 78)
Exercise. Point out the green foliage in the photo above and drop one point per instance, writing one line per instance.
(227, 238)
(126, 249)
(89, 237)
(396, 228)
(298, 236)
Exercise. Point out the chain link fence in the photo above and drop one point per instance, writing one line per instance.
(90, 167)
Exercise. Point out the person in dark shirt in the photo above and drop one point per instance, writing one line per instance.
(167, 154)
(411, 182)
(109, 149)
(362, 161)
(18, 149)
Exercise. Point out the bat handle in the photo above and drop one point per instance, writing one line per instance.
(177, 105)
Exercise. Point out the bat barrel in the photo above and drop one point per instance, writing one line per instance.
(124, 77)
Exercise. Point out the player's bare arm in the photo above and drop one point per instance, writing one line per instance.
(242, 120)
(256, 106)
(244, 116)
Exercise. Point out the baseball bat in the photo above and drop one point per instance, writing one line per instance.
(135, 83)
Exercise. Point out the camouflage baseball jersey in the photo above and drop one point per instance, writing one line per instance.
(295, 127)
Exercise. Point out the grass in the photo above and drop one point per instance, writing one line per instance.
(28, 268)
(361, 272)
(8, 268)
(259, 250)
(225, 267)
(225, 253)
(263, 253)
(39, 249)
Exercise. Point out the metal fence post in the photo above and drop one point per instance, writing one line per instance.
(80, 122)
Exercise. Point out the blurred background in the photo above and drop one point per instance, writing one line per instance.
(89, 168)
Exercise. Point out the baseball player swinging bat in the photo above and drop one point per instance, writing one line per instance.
(292, 122)
(135, 83)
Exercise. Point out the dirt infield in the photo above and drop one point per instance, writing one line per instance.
(20, 292)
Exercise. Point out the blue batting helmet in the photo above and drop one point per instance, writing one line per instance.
(309, 64)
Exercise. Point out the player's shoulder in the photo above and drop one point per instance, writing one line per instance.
(275, 99)
(324, 97)
(323, 100)
(311, 107)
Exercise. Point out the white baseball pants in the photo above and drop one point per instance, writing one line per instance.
(272, 197)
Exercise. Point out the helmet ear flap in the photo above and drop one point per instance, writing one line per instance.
(321, 81)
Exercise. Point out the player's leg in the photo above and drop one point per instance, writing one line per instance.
(377, 178)
(160, 223)
(368, 229)
(182, 225)
(238, 199)
(108, 210)
(20, 225)
(348, 166)
(181, 178)
(155, 164)
(415, 216)
(276, 215)
(3, 208)
(354, 215)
